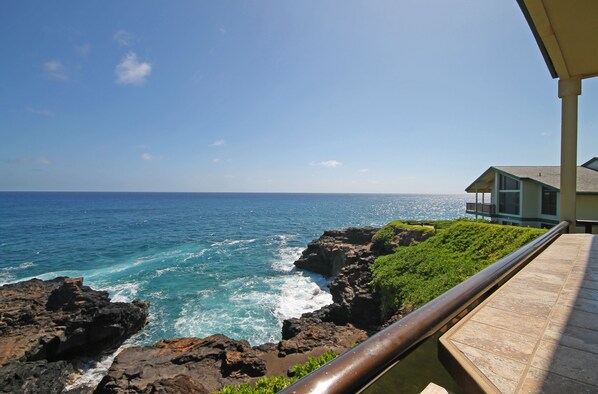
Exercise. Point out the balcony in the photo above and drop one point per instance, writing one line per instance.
(480, 209)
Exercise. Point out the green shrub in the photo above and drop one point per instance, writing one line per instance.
(312, 364)
(385, 236)
(273, 384)
(414, 275)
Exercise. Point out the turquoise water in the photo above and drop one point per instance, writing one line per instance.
(207, 262)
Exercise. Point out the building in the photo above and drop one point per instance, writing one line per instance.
(530, 195)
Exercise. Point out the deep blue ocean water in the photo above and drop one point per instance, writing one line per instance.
(207, 262)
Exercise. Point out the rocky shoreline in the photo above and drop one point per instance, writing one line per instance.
(46, 324)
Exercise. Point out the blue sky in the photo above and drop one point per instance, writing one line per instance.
(275, 96)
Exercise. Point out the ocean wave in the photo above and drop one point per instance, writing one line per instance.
(22, 266)
(164, 270)
(301, 294)
(286, 257)
(233, 242)
(121, 292)
(7, 274)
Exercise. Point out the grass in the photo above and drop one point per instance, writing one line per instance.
(273, 384)
(414, 275)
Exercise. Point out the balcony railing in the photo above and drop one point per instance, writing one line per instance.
(358, 367)
(488, 209)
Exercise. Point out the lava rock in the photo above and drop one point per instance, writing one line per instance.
(192, 365)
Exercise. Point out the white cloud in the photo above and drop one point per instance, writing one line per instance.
(83, 50)
(545, 134)
(124, 38)
(222, 30)
(40, 111)
(130, 71)
(364, 170)
(44, 160)
(147, 157)
(29, 160)
(327, 163)
(216, 161)
(54, 69)
(218, 143)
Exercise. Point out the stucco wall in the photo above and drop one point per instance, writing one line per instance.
(587, 206)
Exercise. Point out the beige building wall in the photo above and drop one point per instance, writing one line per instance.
(531, 196)
(587, 206)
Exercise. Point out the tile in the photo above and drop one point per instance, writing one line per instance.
(523, 303)
(580, 292)
(571, 363)
(502, 372)
(538, 281)
(539, 381)
(585, 275)
(588, 294)
(531, 291)
(590, 284)
(551, 264)
(515, 322)
(501, 342)
(573, 337)
(561, 315)
(576, 282)
(582, 304)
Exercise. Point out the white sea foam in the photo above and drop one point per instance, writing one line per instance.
(300, 294)
(194, 255)
(7, 274)
(233, 242)
(164, 270)
(121, 292)
(287, 256)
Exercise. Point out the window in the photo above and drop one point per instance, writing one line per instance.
(508, 202)
(548, 201)
(506, 183)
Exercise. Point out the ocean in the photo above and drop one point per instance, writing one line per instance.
(207, 262)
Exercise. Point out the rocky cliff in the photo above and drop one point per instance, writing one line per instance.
(45, 324)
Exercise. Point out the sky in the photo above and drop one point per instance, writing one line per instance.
(409, 96)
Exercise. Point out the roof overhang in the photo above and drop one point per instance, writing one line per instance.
(567, 34)
(484, 183)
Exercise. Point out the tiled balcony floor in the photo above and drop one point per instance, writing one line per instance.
(538, 332)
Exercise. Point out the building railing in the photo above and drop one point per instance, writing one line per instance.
(362, 365)
(587, 224)
(472, 207)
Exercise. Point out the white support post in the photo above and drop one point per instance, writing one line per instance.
(569, 89)
(476, 203)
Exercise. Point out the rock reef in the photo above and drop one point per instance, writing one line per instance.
(45, 324)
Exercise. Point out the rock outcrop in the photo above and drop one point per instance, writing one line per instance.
(190, 365)
(44, 322)
(308, 333)
(335, 249)
(347, 255)
(204, 365)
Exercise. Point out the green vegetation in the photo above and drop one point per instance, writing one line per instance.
(414, 275)
(385, 236)
(273, 384)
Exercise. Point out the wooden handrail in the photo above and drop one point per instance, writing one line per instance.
(358, 367)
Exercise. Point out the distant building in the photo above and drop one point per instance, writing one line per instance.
(530, 195)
